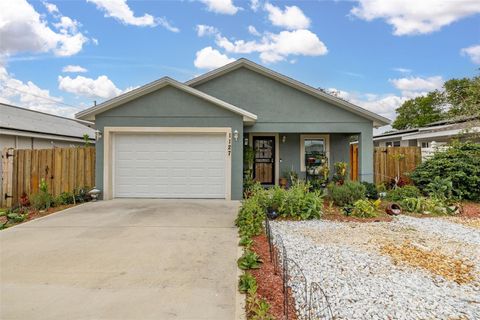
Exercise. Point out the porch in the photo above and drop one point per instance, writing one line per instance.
(274, 155)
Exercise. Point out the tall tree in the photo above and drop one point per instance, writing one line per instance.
(419, 111)
(462, 96)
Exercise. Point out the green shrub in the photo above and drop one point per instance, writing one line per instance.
(364, 209)
(371, 191)
(246, 242)
(250, 217)
(412, 204)
(249, 260)
(65, 198)
(346, 194)
(42, 200)
(441, 189)
(81, 194)
(247, 283)
(299, 203)
(460, 163)
(404, 192)
(258, 308)
(433, 206)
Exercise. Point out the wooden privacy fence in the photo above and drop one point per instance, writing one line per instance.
(390, 162)
(64, 169)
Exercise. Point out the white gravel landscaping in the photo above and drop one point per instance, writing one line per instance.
(362, 283)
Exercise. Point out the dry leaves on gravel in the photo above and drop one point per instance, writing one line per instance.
(458, 270)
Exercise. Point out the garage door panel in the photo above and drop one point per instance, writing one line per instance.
(170, 165)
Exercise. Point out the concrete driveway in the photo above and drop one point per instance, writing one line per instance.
(123, 259)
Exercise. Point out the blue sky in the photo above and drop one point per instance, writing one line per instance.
(373, 53)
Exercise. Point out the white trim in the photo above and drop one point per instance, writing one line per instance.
(325, 137)
(109, 161)
(445, 133)
(90, 113)
(277, 149)
(378, 120)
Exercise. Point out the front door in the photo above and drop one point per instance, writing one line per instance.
(264, 166)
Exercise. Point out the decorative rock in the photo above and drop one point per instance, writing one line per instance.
(362, 283)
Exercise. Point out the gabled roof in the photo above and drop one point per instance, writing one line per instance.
(21, 121)
(378, 120)
(89, 114)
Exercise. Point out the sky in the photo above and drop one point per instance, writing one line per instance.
(61, 56)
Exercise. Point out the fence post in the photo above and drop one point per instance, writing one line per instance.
(7, 177)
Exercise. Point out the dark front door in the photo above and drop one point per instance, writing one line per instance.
(264, 166)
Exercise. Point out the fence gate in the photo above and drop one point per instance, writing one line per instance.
(391, 162)
(64, 169)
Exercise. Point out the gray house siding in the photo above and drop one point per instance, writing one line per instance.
(281, 108)
(170, 107)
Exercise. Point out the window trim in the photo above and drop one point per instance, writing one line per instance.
(303, 137)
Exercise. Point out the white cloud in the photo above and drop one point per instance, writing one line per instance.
(209, 58)
(73, 68)
(418, 83)
(24, 29)
(204, 30)
(120, 10)
(277, 47)
(254, 5)
(473, 52)
(291, 18)
(52, 8)
(102, 87)
(221, 6)
(253, 31)
(402, 70)
(410, 17)
(383, 105)
(29, 95)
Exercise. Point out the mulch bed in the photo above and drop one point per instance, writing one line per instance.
(470, 210)
(35, 214)
(270, 285)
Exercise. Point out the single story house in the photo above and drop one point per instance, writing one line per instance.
(185, 140)
(438, 133)
(22, 128)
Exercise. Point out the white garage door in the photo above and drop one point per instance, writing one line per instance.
(167, 165)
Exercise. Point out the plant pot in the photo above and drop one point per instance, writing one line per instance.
(272, 214)
(393, 209)
(283, 182)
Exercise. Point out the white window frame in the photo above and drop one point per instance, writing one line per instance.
(303, 137)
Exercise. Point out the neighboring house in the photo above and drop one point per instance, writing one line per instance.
(185, 140)
(22, 128)
(439, 133)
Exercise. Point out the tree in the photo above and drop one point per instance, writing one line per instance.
(462, 97)
(419, 111)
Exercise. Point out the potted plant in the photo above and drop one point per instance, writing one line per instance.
(283, 181)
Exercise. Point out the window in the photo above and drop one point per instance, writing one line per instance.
(392, 144)
(425, 145)
(315, 144)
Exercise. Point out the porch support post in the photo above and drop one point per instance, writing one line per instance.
(365, 156)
